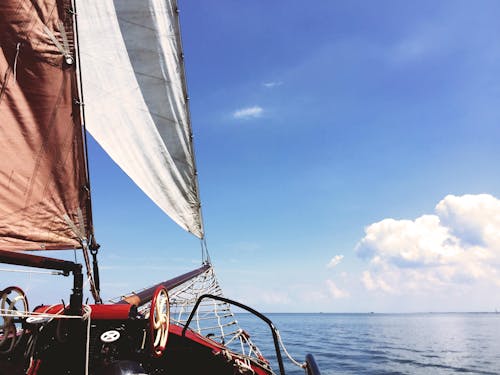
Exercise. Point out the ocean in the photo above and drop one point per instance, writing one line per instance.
(431, 343)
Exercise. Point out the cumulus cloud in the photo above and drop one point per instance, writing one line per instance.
(475, 219)
(459, 244)
(248, 112)
(335, 261)
(335, 291)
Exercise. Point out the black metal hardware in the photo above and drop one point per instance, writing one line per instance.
(249, 309)
(67, 267)
(311, 365)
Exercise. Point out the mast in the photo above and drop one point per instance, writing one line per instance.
(205, 256)
(91, 244)
(81, 102)
(194, 177)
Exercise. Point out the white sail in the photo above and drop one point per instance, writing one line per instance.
(136, 100)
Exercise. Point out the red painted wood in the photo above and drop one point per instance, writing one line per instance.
(99, 312)
(215, 346)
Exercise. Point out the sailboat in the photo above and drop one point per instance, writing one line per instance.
(115, 69)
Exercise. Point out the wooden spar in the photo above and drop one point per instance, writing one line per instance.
(36, 261)
(146, 295)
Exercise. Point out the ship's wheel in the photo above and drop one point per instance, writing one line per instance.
(159, 321)
(13, 305)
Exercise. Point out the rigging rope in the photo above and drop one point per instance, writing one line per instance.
(93, 288)
(205, 256)
(296, 363)
(211, 315)
(45, 318)
(213, 319)
(57, 273)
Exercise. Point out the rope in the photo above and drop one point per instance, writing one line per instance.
(51, 316)
(213, 319)
(87, 315)
(64, 50)
(205, 256)
(296, 363)
(93, 289)
(58, 273)
(28, 314)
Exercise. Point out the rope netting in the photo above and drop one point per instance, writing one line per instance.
(213, 319)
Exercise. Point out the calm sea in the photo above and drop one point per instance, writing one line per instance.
(386, 343)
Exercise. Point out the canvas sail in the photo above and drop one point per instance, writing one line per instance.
(44, 200)
(136, 101)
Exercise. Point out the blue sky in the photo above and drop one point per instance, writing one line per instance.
(312, 122)
(362, 111)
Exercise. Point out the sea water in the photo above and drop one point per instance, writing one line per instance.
(465, 343)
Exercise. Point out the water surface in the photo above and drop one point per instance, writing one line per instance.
(385, 343)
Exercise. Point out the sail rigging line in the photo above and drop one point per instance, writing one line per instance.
(296, 363)
(44, 318)
(195, 181)
(93, 288)
(64, 48)
(81, 103)
(92, 245)
(41, 316)
(205, 256)
(87, 314)
(55, 273)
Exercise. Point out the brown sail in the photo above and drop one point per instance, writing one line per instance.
(44, 199)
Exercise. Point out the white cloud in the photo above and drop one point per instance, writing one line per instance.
(459, 245)
(335, 291)
(249, 112)
(272, 84)
(373, 284)
(475, 219)
(335, 261)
